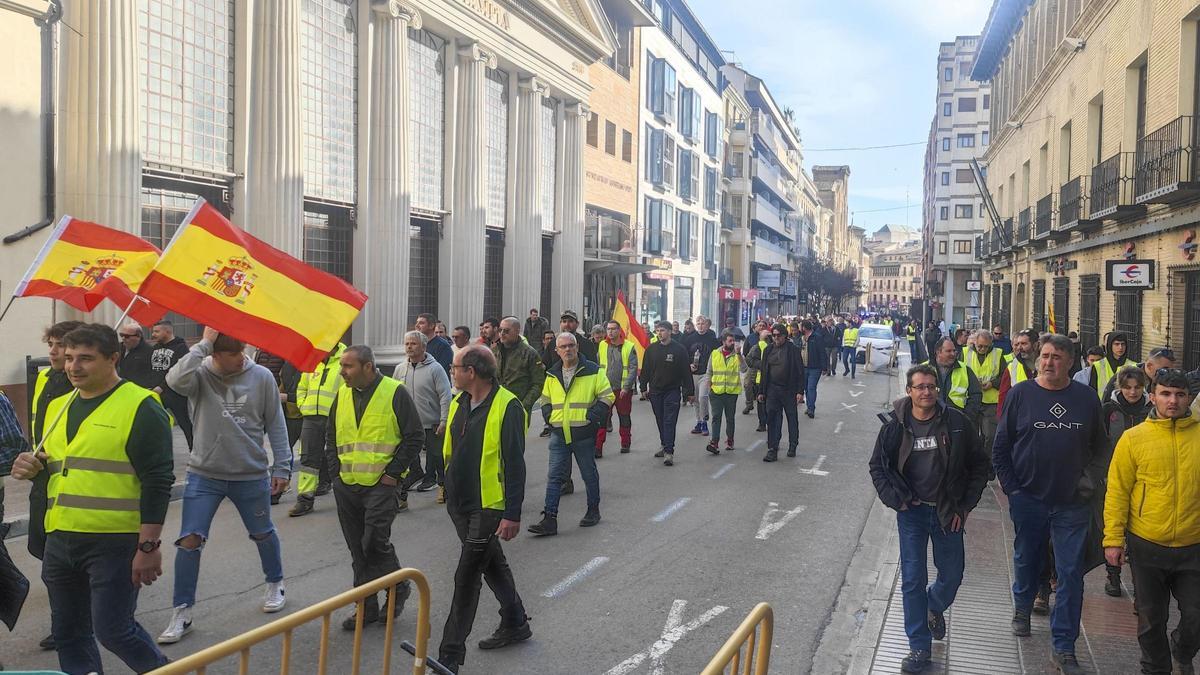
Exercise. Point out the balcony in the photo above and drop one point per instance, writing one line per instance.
(1006, 236)
(771, 178)
(1043, 218)
(771, 137)
(761, 211)
(995, 248)
(979, 249)
(769, 253)
(1072, 210)
(606, 238)
(1112, 190)
(728, 221)
(1166, 168)
(1024, 221)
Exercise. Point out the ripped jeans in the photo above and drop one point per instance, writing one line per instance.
(201, 497)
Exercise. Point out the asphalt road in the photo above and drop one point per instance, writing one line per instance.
(681, 556)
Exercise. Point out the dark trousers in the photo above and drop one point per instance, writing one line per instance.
(366, 514)
(294, 425)
(481, 559)
(780, 403)
(313, 462)
(666, 414)
(1159, 573)
(723, 405)
(179, 410)
(918, 526)
(831, 356)
(433, 453)
(1067, 527)
(92, 596)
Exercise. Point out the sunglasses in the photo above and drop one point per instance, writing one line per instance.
(128, 335)
(1162, 353)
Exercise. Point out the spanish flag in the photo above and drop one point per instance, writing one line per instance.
(82, 263)
(629, 326)
(217, 274)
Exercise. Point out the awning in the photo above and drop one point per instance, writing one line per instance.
(612, 267)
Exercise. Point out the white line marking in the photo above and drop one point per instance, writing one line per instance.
(673, 631)
(850, 407)
(856, 394)
(770, 527)
(675, 506)
(562, 586)
(722, 471)
(755, 445)
(860, 384)
(838, 428)
(816, 470)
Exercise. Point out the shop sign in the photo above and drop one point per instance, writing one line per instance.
(748, 294)
(974, 285)
(1127, 274)
(658, 276)
(1060, 266)
(768, 278)
(789, 285)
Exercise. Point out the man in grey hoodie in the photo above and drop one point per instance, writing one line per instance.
(234, 403)
(430, 390)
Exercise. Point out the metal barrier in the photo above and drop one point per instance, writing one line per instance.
(757, 643)
(198, 662)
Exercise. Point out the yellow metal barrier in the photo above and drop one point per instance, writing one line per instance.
(198, 662)
(757, 643)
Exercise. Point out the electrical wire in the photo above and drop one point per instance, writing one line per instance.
(893, 208)
(868, 147)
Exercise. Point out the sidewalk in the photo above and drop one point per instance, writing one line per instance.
(978, 638)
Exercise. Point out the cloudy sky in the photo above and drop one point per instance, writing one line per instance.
(857, 73)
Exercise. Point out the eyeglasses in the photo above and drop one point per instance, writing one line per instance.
(126, 336)
(566, 346)
(1167, 372)
(923, 387)
(454, 366)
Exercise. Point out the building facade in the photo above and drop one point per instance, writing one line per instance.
(736, 293)
(952, 212)
(833, 237)
(897, 275)
(1093, 170)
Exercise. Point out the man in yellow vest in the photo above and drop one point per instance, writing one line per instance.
(576, 397)
(1022, 365)
(755, 365)
(109, 463)
(314, 396)
(957, 384)
(374, 434)
(619, 362)
(723, 367)
(988, 365)
(1116, 352)
(750, 377)
(850, 349)
(484, 453)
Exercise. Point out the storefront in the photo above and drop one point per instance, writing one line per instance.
(652, 300)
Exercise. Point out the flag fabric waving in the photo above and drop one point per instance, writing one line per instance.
(82, 263)
(1052, 324)
(218, 274)
(629, 326)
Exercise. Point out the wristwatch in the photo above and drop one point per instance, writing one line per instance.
(149, 546)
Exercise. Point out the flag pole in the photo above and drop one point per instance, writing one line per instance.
(6, 307)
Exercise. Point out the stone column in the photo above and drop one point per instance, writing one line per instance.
(273, 198)
(462, 254)
(99, 175)
(568, 250)
(523, 243)
(386, 228)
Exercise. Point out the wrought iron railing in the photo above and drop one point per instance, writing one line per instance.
(979, 250)
(1071, 202)
(1043, 217)
(1006, 235)
(1023, 221)
(1164, 158)
(1112, 184)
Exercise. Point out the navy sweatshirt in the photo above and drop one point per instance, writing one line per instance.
(1047, 439)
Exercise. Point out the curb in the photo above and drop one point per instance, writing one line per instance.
(19, 526)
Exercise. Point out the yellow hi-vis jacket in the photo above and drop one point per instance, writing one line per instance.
(626, 350)
(762, 349)
(366, 446)
(315, 390)
(989, 369)
(960, 383)
(491, 465)
(1154, 484)
(93, 487)
(1016, 372)
(850, 337)
(569, 407)
(723, 371)
(1104, 372)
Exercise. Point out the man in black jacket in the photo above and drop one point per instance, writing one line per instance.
(781, 390)
(166, 351)
(703, 342)
(668, 376)
(134, 364)
(812, 342)
(930, 467)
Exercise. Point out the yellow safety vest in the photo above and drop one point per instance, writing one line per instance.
(1016, 372)
(762, 349)
(1104, 373)
(723, 371)
(850, 337)
(39, 385)
(568, 408)
(93, 487)
(959, 384)
(912, 332)
(366, 446)
(315, 391)
(626, 350)
(491, 465)
(991, 368)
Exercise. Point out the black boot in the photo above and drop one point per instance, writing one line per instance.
(506, 635)
(1113, 585)
(547, 528)
(1020, 624)
(772, 455)
(591, 518)
(791, 452)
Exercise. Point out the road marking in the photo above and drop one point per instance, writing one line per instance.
(673, 631)
(838, 428)
(562, 586)
(755, 445)
(860, 384)
(849, 407)
(816, 470)
(856, 394)
(675, 506)
(770, 526)
(722, 471)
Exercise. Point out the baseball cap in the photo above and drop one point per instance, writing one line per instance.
(569, 314)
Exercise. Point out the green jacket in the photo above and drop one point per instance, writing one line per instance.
(520, 370)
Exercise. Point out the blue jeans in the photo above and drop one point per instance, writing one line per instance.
(583, 448)
(918, 525)
(201, 497)
(812, 377)
(89, 580)
(1067, 527)
(849, 364)
(666, 414)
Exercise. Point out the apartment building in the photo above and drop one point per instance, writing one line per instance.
(735, 293)
(897, 270)
(833, 187)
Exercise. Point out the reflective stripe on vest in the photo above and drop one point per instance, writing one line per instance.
(92, 485)
(366, 446)
(724, 372)
(1016, 372)
(491, 465)
(990, 369)
(850, 337)
(568, 409)
(626, 350)
(315, 391)
(762, 349)
(1104, 373)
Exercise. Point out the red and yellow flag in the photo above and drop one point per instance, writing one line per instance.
(1052, 324)
(219, 275)
(82, 263)
(629, 326)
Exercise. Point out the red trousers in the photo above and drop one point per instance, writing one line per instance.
(623, 407)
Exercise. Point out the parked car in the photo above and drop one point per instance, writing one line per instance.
(883, 344)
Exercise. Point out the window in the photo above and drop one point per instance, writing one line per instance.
(549, 154)
(966, 140)
(685, 175)
(623, 55)
(626, 146)
(947, 109)
(495, 113)
(710, 242)
(654, 155)
(987, 101)
(684, 232)
(1089, 310)
(687, 101)
(941, 248)
(653, 239)
(710, 188)
(426, 118)
(962, 246)
(963, 176)
(964, 211)
(946, 143)
(966, 104)
(712, 134)
(593, 130)
(328, 79)
(694, 188)
(668, 160)
(964, 70)
(944, 213)
(945, 178)
(948, 74)
(610, 138)
(1128, 320)
(662, 89)
(984, 137)
(1038, 305)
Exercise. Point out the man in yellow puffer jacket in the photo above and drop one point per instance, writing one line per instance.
(1152, 510)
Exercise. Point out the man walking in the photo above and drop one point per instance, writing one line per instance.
(489, 332)
(236, 403)
(1159, 358)
(668, 377)
(703, 342)
(987, 363)
(812, 353)
(575, 400)
(435, 344)
(1116, 349)
(1128, 407)
(754, 368)
(429, 388)
(957, 384)
(108, 462)
(1049, 456)
(569, 323)
(619, 363)
(135, 356)
(928, 466)
(723, 367)
(782, 390)
(165, 353)
(520, 366)
(375, 433)
(850, 350)
(314, 396)
(535, 326)
(750, 379)
(1152, 511)
(484, 454)
(1022, 366)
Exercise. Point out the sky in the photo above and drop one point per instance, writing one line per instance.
(857, 73)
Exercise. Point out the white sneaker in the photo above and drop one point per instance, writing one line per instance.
(274, 599)
(180, 625)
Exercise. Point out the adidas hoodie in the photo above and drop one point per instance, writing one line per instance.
(230, 416)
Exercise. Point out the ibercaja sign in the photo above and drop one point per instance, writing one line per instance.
(1123, 275)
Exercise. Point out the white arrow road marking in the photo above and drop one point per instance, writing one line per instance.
(673, 631)
(675, 506)
(838, 428)
(562, 586)
(816, 470)
(770, 527)
(722, 471)
(856, 394)
(849, 407)
(755, 445)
